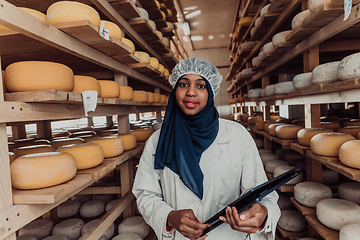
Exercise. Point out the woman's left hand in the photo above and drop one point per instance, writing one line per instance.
(248, 221)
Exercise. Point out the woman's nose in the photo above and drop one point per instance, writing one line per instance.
(191, 91)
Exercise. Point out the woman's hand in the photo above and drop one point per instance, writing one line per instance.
(187, 224)
(249, 221)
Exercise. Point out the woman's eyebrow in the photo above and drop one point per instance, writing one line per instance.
(200, 79)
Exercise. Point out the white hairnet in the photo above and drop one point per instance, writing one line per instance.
(199, 66)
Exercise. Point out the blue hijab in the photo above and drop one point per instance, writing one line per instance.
(183, 138)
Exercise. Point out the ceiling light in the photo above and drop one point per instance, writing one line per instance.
(196, 38)
(195, 23)
(190, 8)
(185, 38)
(211, 37)
(186, 28)
(185, 12)
(193, 14)
(222, 35)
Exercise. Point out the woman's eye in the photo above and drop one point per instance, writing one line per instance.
(201, 86)
(182, 84)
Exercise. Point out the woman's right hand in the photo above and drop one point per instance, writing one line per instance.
(185, 222)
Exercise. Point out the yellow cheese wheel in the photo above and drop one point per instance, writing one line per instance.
(130, 44)
(34, 13)
(161, 68)
(259, 125)
(159, 34)
(21, 151)
(328, 144)
(272, 128)
(349, 154)
(12, 156)
(87, 155)
(352, 130)
(42, 170)
(266, 125)
(253, 119)
(143, 56)
(126, 92)
(157, 3)
(66, 141)
(3, 81)
(163, 98)
(163, 14)
(154, 62)
(112, 146)
(157, 97)
(331, 125)
(245, 20)
(151, 97)
(169, 12)
(142, 134)
(114, 30)
(86, 83)
(38, 76)
(140, 96)
(109, 89)
(274, 117)
(67, 11)
(352, 122)
(304, 135)
(166, 73)
(287, 131)
(130, 141)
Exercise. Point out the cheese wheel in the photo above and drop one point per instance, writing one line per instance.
(161, 68)
(328, 144)
(109, 89)
(143, 56)
(280, 37)
(143, 13)
(114, 30)
(134, 225)
(264, 10)
(166, 42)
(331, 125)
(284, 87)
(302, 80)
(292, 220)
(255, 61)
(130, 141)
(129, 43)
(254, 93)
(352, 122)
(166, 73)
(259, 125)
(152, 24)
(270, 90)
(157, 97)
(247, 72)
(142, 134)
(247, 45)
(86, 83)
(310, 193)
(259, 143)
(268, 47)
(163, 98)
(105, 198)
(329, 176)
(349, 67)
(70, 228)
(282, 152)
(283, 169)
(112, 146)
(349, 232)
(154, 62)
(350, 191)
(348, 154)
(34, 13)
(81, 198)
(57, 237)
(314, 4)
(284, 203)
(268, 157)
(253, 119)
(287, 131)
(66, 141)
(128, 236)
(126, 92)
(262, 55)
(352, 130)
(245, 20)
(140, 96)
(92, 209)
(271, 165)
(21, 151)
(38, 76)
(293, 157)
(87, 155)
(12, 156)
(336, 213)
(259, 21)
(27, 236)
(306, 134)
(325, 73)
(264, 151)
(272, 128)
(107, 234)
(68, 208)
(109, 205)
(67, 11)
(299, 18)
(159, 34)
(41, 228)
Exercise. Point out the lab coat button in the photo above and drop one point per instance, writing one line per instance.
(196, 203)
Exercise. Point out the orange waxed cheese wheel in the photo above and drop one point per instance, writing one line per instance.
(42, 170)
(140, 96)
(331, 125)
(349, 154)
(157, 97)
(151, 97)
(142, 134)
(109, 89)
(253, 119)
(66, 141)
(328, 144)
(112, 145)
(126, 92)
(267, 124)
(304, 135)
(272, 128)
(87, 155)
(114, 30)
(38, 76)
(161, 68)
(143, 56)
(21, 151)
(129, 43)
(288, 131)
(154, 62)
(163, 99)
(86, 83)
(352, 130)
(130, 141)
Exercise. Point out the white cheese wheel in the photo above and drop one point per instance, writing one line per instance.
(143, 56)
(350, 191)
(268, 47)
(109, 89)
(310, 193)
(247, 45)
(325, 73)
(283, 169)
(152, 24)
(272, 128)
(70, 228)
(41, 228)
(328, 144)
(159, 34)
(110, 204)
(114, 30)
(349, 153)
(270, 90)
(299, 18)
(26, 236)
(350, 232)
(129, 141)
(306, 134)
(92, 209)
(284, 87)
(87, 155)
(247, 72)
(42, 170)
(266, 157)
(111, 145)
(255, 61)
(349, 67)
(66, 141)
(271, 165)
(22, 151)
(253, 119)
(288, 131)
(38, 76)
(285, 203)
(352, 130)
(126, 92)
(143, 13)
(130, 44)
(262, 55)
(142, 134)
(293, 157)
(68, 208)
(67, 11)
(259, 21)
(336, 213)
(134, 225)
(254, 93)
(127, 236)
(264, 10)
(57, 237)
(280, 37)
(314, 4)
(302, 80)
(154, 62)
(107, 234)
(329, 176)
(140, 96)
(292, 220)
(105, 198)
(86, 83)
(331, 125)
(82, 198)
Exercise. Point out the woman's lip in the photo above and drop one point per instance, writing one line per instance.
(190, 104)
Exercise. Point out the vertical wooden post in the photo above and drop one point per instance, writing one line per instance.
(282, 77)
(90, 121)
(43, 129)
(19, 131)
(123, 120)
(158, 113)
(109, 121)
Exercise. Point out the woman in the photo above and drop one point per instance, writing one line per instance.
(197, 164)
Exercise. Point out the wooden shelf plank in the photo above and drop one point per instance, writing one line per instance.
(142, 27)
(325, 232)
(126, 59)
(167, 32)
(101, 190)
(284, 142)
(145, 69)
(126, 9)
(323, 15)
(299, 148)
(303, 209)
(300, 33)
(286, 188)
(129, 154)
(148, 4)
(98, 172)
(291, 235)
(349, 172)
(322, 159)
(159, 46)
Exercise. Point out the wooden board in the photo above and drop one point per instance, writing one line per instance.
(303, 209)
(159, 47)
(98, 172)
(284, 142)
(126, 59)
(167, 32)
(322, 16)
(101, 190)
(160, 23)
(299, 148)
(145, 69)
(126, 8)
(322, 159)
(155, 14)
(291, 235)
(278, 5)
(325, 232)
(129, 154)
(300, 33)
(50, 96)
(349, 172)
(142, 27)
(286, 188)
(148, 4)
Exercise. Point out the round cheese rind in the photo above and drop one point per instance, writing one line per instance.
(336, 213)
(154, 62)
(26, 236)
(105, 198)
(350, 191)
(112, 145)
(288, 131)
(299, 18)
(57, 237)
(325, 73)
(68, 208)
(259, 21)
(272, 128)
(127, 236)
(264, 10)
(328, 144)
(284, 87)
(38, 76)
(126, 92)
(134, 225)
(271, 165)
(67, 11)
(130, 141)
(285, 203)
(305, 134)
(143, 13)
(86, 83)
(109, 89)
(114, 30)
(331, 125)
(34, 13)
(349, 232)
(284, 168)
(66, 141)
(280, 37)
(302, 80)
(310, 193)
(129, 43)
(254, 93)
(314, 4)
(163, 98)
(270, 90)
(161, 68)
(141, 96)
(70, 228)
(157, 97)
(107, 234)
(349, 153)
(92, 208)
(349, 67)
(151, 97)
(41, 228)
(352, 130)
(269, 47)
(143, 56)
(253, 119)
(292, 220)
(142, 134)
(255, 61)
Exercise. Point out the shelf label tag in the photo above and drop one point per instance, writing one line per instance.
(89, 101)
(347, 9)
(103, 32)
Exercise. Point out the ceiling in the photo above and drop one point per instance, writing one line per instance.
(210, 21)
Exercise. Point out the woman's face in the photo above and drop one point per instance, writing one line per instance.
(191, 94)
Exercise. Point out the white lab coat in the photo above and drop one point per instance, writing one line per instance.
(231, 166)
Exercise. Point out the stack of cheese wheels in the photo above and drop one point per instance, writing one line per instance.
(271, 165)
(66, 141)
(272, 128)
(70, 228)
(310, 193)
(12, 156)
(152, 24)
(106, 235)
(38, 76)
(283, 169)
(151, 97)
(349, 67)
(130, 141)
(142, 134)
(350, 191)
(349, 153)
(253, 119)
(331, 125)
(315, 4)
(336, 213)
(87, 155)
(325, 73)
(292, 220)
(126, 92)
(140, 96)
(41, 170)
(143, 56)
(352, 130)
(112, 145)
(92, 209)
(299, 18)
(127, 236)
(302, 80)
(130, 44)
(306, 134)
(154, 62)
(68, 208)
(285, 203)
(32, 12)
(40, 228)
(67, 11)
(109, 89)
(114, 30)
(287, 131)
(86, 83)
(21, 151)
(280, 37)
(328, 144)
(349, 231)
(134, 225)
(284, 87)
